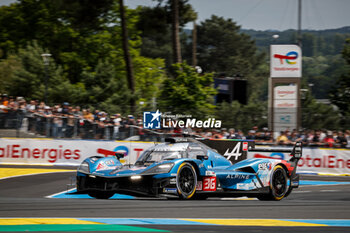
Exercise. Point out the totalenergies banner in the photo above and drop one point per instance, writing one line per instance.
(65, 152)
(315, 160)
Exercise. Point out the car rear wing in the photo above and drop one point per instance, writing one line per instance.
(295, 152)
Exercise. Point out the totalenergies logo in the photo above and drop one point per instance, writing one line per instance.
(290, 57)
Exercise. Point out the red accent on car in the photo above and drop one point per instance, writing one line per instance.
(209, 183)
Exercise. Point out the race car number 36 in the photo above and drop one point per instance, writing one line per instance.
(209, 184)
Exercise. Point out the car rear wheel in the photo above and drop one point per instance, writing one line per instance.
(278, 185)
(186, 181)
(100, 195)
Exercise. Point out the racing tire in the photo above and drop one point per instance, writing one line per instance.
(101, 195)
(278, 185)
(186, 181)
(290, 189)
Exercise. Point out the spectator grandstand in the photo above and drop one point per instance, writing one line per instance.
(66, 121)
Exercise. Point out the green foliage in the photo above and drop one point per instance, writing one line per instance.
(155, 26)
(346, 51)
(340, 94)
(7, 69)
(321, 71)
(87, 65)
(223, 49)
(317, 115)
(242, 117)
(188, 92)
(23, 74)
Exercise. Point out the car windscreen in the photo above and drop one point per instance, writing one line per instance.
(157, 156)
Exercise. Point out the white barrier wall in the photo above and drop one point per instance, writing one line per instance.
(315, 160)
(65, 152)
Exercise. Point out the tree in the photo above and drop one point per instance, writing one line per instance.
(318, 115)
(243, 117)
(223, 49)
(155, 25)
(340, 94)
(127, 57)
(23, 74)
(188, 92)
(175, 31)
(85, 39)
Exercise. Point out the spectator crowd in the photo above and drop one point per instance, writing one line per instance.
(67, 121)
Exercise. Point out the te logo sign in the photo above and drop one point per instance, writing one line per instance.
(289, 57)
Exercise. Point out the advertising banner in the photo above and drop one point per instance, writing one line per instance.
(285, 61)
(315, 160)
(285, 92)
(65, 152)
(285, 105)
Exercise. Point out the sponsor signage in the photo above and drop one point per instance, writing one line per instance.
(65, 152)
(285, 92)
(285, 105)
(285, 118)
(315, 160)
(285, 61)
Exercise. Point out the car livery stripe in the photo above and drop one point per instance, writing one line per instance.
(6, 173)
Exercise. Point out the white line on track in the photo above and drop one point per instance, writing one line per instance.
(329, 190)
(238, 199)
(66, 191)
(301, 191)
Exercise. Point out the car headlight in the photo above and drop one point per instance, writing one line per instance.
(84, 167)
(161, 168)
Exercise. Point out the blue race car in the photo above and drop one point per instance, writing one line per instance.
(189, 169)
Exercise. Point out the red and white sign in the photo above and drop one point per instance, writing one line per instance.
(65, 152)
(315, 160)
(285, 103)
(285, 92)
(209, 183)
(285, 61)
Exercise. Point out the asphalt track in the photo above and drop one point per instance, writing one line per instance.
(25, 197)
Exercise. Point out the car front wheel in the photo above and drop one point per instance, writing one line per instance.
(186, 181)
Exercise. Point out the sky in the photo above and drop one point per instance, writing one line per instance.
(271, 14)
(267, 14)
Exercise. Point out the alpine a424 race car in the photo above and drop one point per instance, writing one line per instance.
(189, 170)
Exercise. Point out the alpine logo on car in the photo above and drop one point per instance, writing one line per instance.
(237, 176)
(235, 152)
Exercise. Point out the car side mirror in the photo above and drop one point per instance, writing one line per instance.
(202, 157)
(119, 155)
